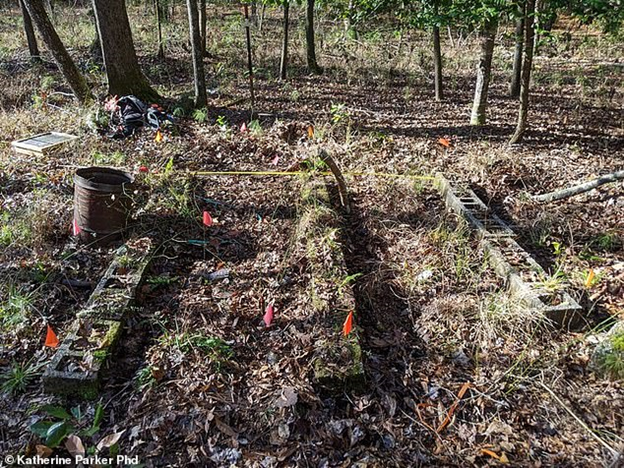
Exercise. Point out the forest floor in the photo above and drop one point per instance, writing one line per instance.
(199, 380)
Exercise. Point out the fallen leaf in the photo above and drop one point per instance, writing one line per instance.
(43, 451)
(310, 131)
(227, 430)
(590, 278)
(74, 445)
(287, 398)
(158, 373)
(444, 142)
(490, 453)
(158, 138)
(109, 440)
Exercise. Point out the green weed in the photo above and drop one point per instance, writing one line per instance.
(553, 283)
(59, 423)
(255, 128)
(13, 229)
(16, 308)
(18, 377)
(158, 281)
(222, 122)
(200, 115)
(608, 241)
(145, 378)
(116, 158)
(611, 359)
(339, 114)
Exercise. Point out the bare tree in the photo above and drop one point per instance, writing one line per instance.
(437, 63)
(159, 19)
(313, 66)
(198, 54)
(30, 34)
(120, 60)
(203, 20)
(514, 86)
(95, 49)
(68, 68)
(284, 58)
(484, 72)
(529, 44)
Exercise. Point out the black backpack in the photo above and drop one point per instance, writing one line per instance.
(132, 113)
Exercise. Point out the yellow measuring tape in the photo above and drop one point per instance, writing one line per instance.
(294, 173)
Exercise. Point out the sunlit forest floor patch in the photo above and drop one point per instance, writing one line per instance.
(457, 373)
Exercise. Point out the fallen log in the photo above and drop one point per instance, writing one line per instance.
(342, 185)
(577, 189)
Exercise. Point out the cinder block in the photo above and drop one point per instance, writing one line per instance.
(523, 275)
(76, 365)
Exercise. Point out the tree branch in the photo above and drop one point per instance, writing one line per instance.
(581, 188)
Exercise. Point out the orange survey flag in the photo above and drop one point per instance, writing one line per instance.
(51, 340)
(207, 219)
(444, 142)
(348, 325)
(158, 138)
(268, 315)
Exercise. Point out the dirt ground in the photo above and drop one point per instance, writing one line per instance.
(457, 373)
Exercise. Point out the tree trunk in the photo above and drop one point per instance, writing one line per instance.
(95, 49)
(284, 60)
(310, 46)
(350, 30)
(249, 58)
(537, 12)
(514, 87)
(202, 26)
(161, 48)
(529, 44)
(30, 34)
(76, 81)
(262, 14)
(198, 55)
(437, 63)
(254, 12)
(484, 71)
(120, 60)
(50, 9)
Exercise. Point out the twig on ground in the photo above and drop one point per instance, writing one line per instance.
(580, 421)
(453, 407)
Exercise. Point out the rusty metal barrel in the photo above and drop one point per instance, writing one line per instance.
(102, 204)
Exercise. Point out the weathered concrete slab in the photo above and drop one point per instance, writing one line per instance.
(467, 204)
(76, 365)
(525, 277)
(67, 375)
